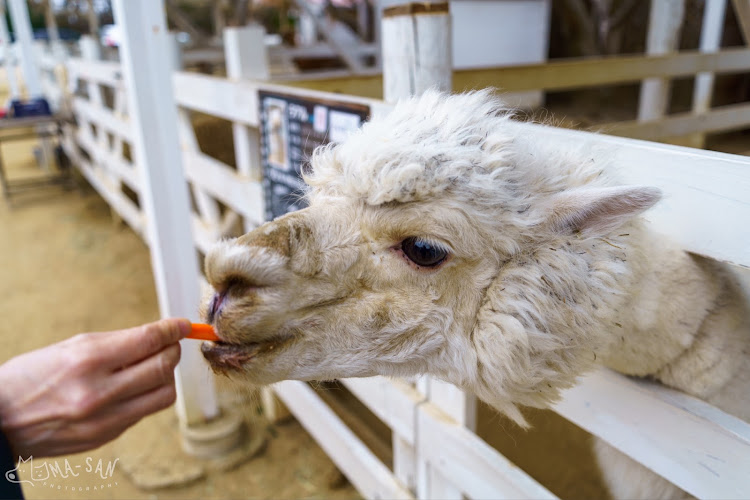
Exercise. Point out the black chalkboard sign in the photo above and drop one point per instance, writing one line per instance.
(291, 128)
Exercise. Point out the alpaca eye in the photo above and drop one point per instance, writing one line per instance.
(423, 253)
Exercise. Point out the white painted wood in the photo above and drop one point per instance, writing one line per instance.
(713, 26)
(90, 48)
(203, 233)
(697, 185)
(239, 192)
(461, 407)
(237, 102)
(392, 401)
(273, 409)
(416, 54)
(19, 14)
(247, 59)
(103, 72)
(115, 164)
(246, 54)
(208, 208)
(440, 486)
(104, 118)
(113, 196)
(93, 111)
(696, 446)
(147, 70)
(371, 478)
(404, 461)
(665, 25)
(7, 54)
(466, 461)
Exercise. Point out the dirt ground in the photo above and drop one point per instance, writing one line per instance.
(65, 268)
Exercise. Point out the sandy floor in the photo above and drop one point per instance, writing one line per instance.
(65, 268)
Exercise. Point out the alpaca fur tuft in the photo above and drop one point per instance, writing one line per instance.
(549, 271)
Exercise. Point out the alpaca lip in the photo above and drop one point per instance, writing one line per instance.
(225, 356)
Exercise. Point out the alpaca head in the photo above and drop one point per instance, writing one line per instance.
(437, 240)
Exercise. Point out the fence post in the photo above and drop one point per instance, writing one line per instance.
(247, 59)
(147, 68)
(19, 13)
(58, 50)
(417, 49)
(664, 27)
(711, 30)
(7, 54)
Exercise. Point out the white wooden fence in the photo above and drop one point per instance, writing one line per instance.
(436, 454)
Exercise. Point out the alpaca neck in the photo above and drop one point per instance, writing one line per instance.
(671, 296)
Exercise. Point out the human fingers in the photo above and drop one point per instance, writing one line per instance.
(143, 376)
(114, 420)
(125, 347)
(104, 426)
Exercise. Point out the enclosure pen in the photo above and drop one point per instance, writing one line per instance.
(436, 452)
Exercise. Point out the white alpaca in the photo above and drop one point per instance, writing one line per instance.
(439, 241)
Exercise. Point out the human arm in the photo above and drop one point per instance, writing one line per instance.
(80, 393)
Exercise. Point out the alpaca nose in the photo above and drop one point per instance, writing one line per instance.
(258, 259)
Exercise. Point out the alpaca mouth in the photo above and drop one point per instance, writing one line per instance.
(225, 356)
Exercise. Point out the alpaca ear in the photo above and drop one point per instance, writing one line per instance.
(597, 211)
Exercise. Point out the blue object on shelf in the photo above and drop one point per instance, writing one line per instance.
(32, 107)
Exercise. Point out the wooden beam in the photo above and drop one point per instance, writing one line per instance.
(590, 72)
(567, 74)
(664, 28)
(469, 463)
(725, 118)
(701, 449)
(369, 475)
(243, 195)
(703, 90)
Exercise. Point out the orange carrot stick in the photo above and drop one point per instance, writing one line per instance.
(203, 332)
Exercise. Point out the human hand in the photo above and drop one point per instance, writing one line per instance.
(82, 392)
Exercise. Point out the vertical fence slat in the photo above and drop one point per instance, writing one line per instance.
(153, 113)
(713, 26)
(664, 27)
